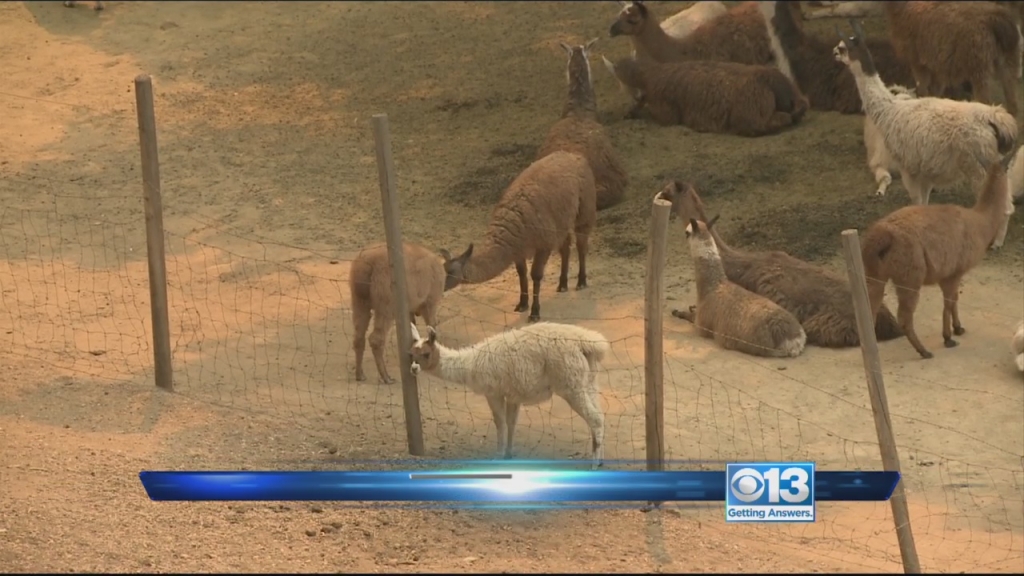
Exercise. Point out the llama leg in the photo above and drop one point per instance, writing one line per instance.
(497, 404)
(511, 416)
(908, 297)
(950, 316)
(582, 247)
(926, 193)
(980, 88)
(565, 251)
(913, 187)
(1009, 80)
(584, 402)
(923, 79)
(524, 287)
(689, 314)
(883, 179)
(540, 259)
(381, 327)
(361, 322)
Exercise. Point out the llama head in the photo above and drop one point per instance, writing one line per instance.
(424, 352)
(686, 204)
(454, 267)
(853, 51)
(577, 70)
(632, 18)
(702, 245)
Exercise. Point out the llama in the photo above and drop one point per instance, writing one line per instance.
(1017, 346)
(819, 299)
(736, 36)
(98, 5)
(935, 141)
(880, 162)
(579, 132)
(919, 246)
(949, 43)
(526, 365)
(733, 317)
(827, 84)
(537, 214)
(723, 97)
(845, 10)
(369, 282)
(682, 23)
(1015, 177)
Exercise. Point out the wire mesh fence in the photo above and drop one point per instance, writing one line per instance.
(262, 326)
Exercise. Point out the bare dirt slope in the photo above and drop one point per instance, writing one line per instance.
(270, 188)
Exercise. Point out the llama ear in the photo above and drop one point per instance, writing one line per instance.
(566, 47)
(465, 255)
(589, 45)
(415, 333)
(608, 64)
(431, 335)
(693, 225)
(712, 221)
(445, 254)
(622, 3)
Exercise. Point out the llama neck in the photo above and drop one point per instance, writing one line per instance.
(582, 100)
(454, 365)
(723, 248)
(489, 259)
(710, 273)
(655, 41)
(874, 96)
(994, 204)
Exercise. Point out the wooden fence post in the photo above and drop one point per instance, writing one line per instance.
(654, 369)
(396, 256)
(154, 233)
(879, 402)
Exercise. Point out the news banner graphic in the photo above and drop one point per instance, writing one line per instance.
(784, 491)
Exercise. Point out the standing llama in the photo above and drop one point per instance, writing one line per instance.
(369, 282)
(579, 132)
(525, 365)
(919, 246)
(537, 214)
(733, 317)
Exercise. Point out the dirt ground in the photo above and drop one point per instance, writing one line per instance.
(270, 188)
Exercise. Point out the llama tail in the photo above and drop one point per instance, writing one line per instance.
(788, 98)
(886, 325)
(877, 243)
(1015, 174)
(1004, 127)
(595, 348)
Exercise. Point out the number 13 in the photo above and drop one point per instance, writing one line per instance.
(797, 491)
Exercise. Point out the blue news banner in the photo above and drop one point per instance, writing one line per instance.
(752, 491)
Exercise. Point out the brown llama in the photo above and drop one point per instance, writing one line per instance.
(579, 132)
(538, 213)
(739, 35)
(951, 43)
(828, 84)
(722, 97)
(922, 245)
(369, 282)
(736, 319)
(820, 299)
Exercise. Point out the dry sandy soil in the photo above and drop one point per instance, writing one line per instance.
(270, 187)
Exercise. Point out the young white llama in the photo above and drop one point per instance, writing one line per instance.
(526, 365)
(936, 142)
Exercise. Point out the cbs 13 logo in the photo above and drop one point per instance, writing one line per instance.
(748, 485)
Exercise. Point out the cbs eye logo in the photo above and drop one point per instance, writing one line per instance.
(748, 485)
